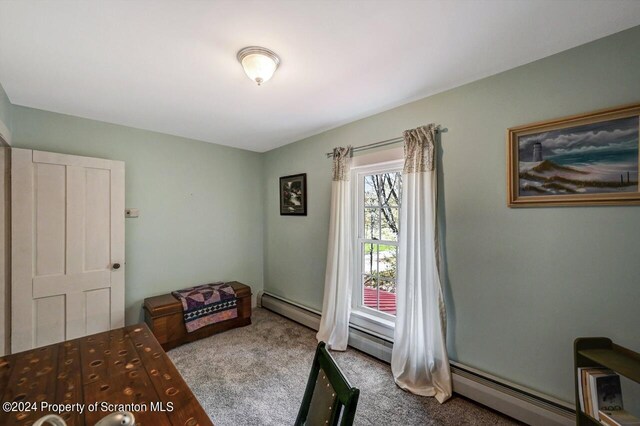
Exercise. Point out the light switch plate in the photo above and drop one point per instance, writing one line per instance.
(131, 213)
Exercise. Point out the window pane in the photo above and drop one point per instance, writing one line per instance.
(387, 297)
(391, 188)
(383, 189)
(370, 258)
(370, 291)
(372, 223)
(390, 223)
(388, 262)
(370, 196)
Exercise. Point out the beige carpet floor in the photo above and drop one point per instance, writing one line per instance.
(256, 375)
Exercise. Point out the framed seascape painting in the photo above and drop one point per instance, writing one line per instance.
(293, 195)
(588, 159)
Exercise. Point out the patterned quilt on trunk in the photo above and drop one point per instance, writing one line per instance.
(207, 304)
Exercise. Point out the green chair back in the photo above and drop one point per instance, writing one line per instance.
(329, 399)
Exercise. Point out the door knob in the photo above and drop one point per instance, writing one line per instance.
(116, 266)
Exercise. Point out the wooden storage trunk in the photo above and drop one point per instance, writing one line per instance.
(163, 314)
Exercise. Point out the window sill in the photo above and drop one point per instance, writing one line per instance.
(370, 322)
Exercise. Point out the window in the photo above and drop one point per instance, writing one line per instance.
(377, 191)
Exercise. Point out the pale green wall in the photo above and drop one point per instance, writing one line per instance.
(5, 111)
(522, 283)
(200, 204)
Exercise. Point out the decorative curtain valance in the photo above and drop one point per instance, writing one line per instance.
(419, 147)
(341, 163)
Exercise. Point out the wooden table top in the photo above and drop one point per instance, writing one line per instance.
(123, 366)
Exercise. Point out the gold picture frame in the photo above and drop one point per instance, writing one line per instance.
(588, 159)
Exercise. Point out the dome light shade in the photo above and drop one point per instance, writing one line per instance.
(259, 63)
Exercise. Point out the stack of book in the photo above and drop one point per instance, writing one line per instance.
(600, 396)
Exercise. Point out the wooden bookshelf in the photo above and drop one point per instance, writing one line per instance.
(602, 352)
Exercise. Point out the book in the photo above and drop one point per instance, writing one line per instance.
(609, 393)
(605, 391)
(582, 386)
(618, 418)
(584, 389)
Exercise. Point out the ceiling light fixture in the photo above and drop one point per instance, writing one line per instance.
(258, 62)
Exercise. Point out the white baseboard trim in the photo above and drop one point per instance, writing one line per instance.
(515, 401)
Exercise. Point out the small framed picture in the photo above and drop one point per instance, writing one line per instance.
(293, 195)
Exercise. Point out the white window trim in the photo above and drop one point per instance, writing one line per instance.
(362, 316)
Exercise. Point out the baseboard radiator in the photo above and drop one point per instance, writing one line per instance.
(513, 400)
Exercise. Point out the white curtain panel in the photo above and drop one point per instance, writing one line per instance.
(419, 360)
(336, 306)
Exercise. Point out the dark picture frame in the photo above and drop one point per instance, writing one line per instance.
(293, 195)
(583, 160)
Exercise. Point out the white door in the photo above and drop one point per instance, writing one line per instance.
(67, 247)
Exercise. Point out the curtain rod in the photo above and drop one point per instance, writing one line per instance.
(382, 143)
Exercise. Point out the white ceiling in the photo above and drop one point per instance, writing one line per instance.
(170, 66)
